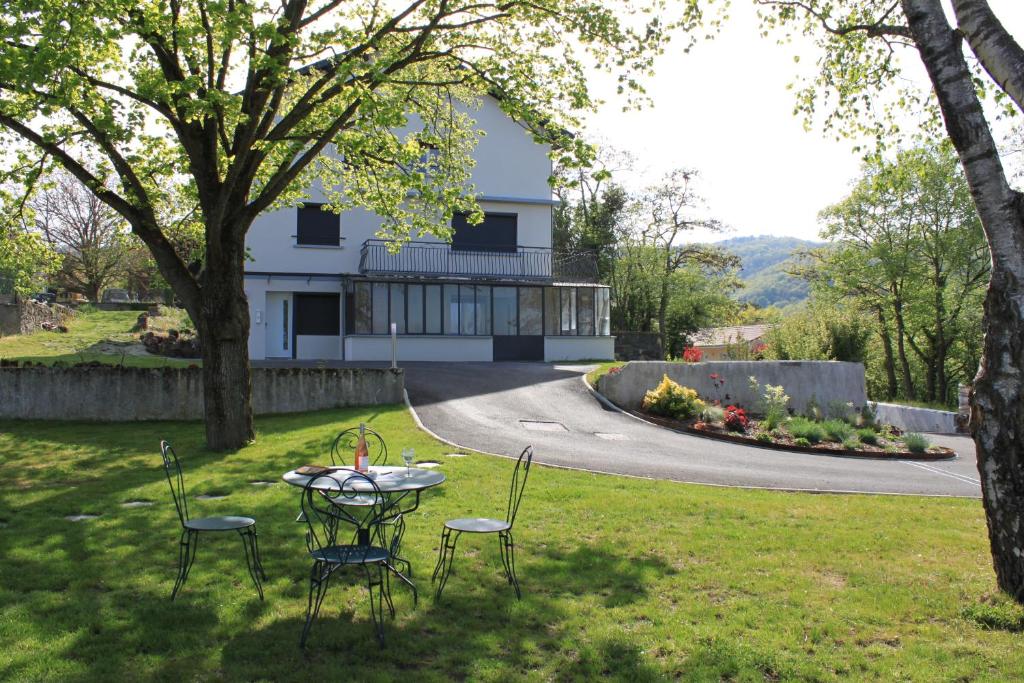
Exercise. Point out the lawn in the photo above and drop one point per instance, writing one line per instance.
(100, 336)
(623, 578)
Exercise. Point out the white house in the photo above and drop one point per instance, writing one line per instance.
(321, 286)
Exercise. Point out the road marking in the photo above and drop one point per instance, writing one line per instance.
(952, 475)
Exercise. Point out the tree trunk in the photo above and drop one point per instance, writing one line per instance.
(901, 335)
(223, 324)
(890, 363)
(997, 420)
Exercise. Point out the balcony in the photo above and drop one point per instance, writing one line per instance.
(515, 264)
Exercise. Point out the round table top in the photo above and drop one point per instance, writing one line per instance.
(389, 478)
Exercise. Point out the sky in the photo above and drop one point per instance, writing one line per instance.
(724, 110)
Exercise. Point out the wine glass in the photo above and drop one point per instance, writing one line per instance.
(407, 455)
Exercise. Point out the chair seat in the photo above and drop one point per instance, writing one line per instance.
(350, 554)
(478, 525)
(220, 523)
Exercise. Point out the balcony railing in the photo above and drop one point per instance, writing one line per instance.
(513, 263)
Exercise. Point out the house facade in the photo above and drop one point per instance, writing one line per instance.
(322, 286)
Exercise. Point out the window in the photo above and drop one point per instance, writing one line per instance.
(585, 312)
(552, 310)
(530, 308)
(506, 321)
(414, 324)
(483, 309)
(451, 309)
(568, 310)
(398, 308)
(604, 316)
(498, 232)
(318, 314)
(380, 308)
(467, 310)
(363, 308)
(315, 225)
(433, 321)
(284, 318)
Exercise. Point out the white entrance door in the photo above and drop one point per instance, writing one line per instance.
(279, 325)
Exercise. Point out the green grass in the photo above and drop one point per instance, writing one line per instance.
(91, 337)
(623, 579)
(595, 375)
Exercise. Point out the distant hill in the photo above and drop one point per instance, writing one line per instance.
(765, 259)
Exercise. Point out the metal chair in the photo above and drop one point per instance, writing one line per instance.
(191, 528)
(346, 441)
(325, 506)
(483, 525)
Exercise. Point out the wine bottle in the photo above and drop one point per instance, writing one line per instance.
(362, 457)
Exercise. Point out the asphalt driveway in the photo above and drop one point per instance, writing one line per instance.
(500, 407)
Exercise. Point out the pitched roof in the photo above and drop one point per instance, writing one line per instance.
(720, 336)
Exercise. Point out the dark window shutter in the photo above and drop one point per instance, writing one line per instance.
(318, 314)
(316, 225)
(498, 232)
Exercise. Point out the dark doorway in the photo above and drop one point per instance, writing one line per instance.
(316, 314)
(529, 347)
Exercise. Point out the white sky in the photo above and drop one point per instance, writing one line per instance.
(724, 110)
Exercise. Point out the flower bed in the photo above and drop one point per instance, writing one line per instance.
(844, 430)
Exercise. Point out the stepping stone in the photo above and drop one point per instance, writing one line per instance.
(262, 483)
(456, 455)
(137, 504)
(212, 496)
(428, 465)
(80, 518)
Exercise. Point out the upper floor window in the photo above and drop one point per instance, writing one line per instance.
(498, 232)
(316, 225)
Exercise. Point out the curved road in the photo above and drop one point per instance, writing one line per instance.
(500, 407)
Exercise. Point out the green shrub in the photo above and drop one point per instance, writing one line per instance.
(851, 443)
(672, 400)
(916, 443)
(713, 414)
(837, 430)
(763, 437)
(813, 410)
(773, 403)
(841, 410)
(801, 442)
(867, 417)
(868, 435)
(804, 428)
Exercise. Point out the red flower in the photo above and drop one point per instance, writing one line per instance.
(692, 354)
(735, 419)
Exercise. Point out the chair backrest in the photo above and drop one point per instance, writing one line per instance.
(519, 475)
(172, 468)
(326, 506)
(344, 447)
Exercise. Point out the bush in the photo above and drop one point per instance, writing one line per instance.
(916, 443)
(837, 430)
(851, 444)
(867, 417)
(813, 410)
(735, 419)
(841, 410)
(672, 400)
(714, 414)
(773, 403)
(868, 436)
(763, 437)
(803, 428)
(801, 442)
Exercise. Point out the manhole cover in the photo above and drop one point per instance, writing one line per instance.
(542, 426)
(608, 436)
(137, 504)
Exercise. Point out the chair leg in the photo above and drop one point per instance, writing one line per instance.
(404, 579)
(376, 603)
(386, 572)
(318, 581)
(446, 568)
(252, 560)
(503, 549)
(259, 557)
(440, 553)
(510, 549)
(186, 555)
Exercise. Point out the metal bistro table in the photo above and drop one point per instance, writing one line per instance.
(395, 483)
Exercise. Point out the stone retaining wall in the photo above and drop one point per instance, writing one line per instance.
(26, 317)
(824, 381)
(115, 394)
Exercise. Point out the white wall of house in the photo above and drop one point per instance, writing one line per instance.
(510, 175)
(309, 347)
(420, 348)
(579, 348)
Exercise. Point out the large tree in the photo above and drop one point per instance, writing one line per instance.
(860, 66)
(234, 104)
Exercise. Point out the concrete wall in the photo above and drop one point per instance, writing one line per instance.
(10, 320)
(911, 419)
(579, 348)
(112, 394)
(420, 347)
(825, 381)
